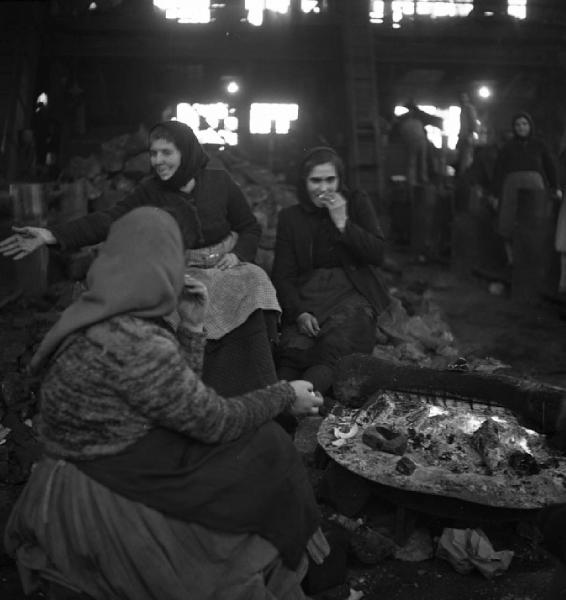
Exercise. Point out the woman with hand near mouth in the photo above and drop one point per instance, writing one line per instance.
(327, 253)
(221, 235)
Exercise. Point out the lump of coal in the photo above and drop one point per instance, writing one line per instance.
(523, 463)
(405, 466)
(386, 440)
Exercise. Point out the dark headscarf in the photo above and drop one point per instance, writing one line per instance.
(524, 115)
(318, 156)
(193, 156)
(139, 271)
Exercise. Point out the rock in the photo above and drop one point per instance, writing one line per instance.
(386, 440)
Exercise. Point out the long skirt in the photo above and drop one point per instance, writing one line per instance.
(514, 182)
(69, 529)
(242, 360)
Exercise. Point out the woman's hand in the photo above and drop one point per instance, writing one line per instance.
(25, 241)
(307, 324)
(193, 303)
(307, 401)
(337, 208)
(227, 261)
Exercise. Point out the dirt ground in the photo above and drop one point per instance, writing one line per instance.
(530, 338)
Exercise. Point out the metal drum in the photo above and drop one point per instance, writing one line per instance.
(29, 203)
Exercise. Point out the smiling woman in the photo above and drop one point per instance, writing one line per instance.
(220, 235)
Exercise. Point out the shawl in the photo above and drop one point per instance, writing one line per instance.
(139, 271)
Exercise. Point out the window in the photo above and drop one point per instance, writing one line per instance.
(272, 118)
(212, 123)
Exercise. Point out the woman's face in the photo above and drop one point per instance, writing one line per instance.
(522, 127)
(164, 157)
(323, 178)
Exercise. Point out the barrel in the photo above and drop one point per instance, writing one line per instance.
(29, 206)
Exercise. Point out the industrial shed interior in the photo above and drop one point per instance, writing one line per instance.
(437, 458)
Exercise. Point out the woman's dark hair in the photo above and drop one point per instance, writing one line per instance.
(319, 156)
(159, 132)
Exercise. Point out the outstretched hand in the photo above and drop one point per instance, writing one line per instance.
(193, 303)
(307, 401)
(25, 241)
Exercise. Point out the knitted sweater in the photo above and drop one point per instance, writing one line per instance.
(110, 384)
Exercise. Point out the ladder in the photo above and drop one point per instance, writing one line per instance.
(364, 160)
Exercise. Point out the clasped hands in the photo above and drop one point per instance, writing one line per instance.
(336, 206)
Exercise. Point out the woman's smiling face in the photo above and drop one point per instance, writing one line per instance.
(323, 178)
(164, 157)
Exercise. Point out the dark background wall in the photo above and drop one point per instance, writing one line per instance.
(107, 73)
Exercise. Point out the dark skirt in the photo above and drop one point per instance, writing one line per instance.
(346, 319)
(242, 360)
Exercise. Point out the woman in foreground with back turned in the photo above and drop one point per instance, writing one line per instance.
(153, 486)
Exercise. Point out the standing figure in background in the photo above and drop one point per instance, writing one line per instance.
(221, 236)
(523, 163)
(327, 252)
(467, 135)
(412, 132)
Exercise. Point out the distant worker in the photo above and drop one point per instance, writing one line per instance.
(412, 133)
(523, 163)
(467, 135)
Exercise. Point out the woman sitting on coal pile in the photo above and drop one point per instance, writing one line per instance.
(152, 485)
(327, 253)
(221, 236)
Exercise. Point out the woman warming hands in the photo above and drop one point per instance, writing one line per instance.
(152, 485)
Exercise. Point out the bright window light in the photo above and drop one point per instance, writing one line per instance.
(255, 9)
(450, 123)
(308, 6)
(212, 123)
(377, 11)
(517, 9)
(272, 118)
(432, 8)
(185, 11)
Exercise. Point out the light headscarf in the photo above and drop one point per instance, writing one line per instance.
(139, 271)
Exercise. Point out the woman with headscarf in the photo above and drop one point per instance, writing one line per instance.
(221, 236)
(523, 163)
(327, 253)
(152, 485)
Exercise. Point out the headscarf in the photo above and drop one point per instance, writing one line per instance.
(318, 156)
(193, 156)
(524, 115)
(139, 271)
